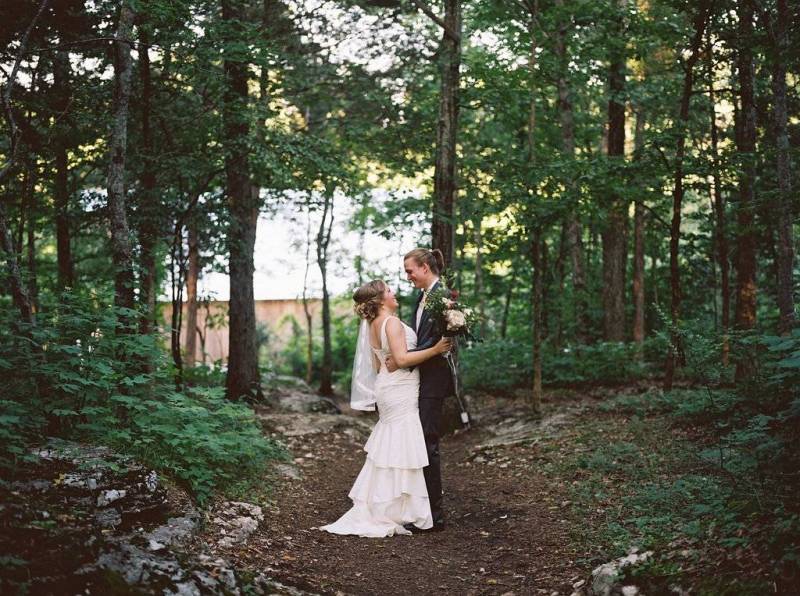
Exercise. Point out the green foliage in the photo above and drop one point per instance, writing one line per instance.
(504, 364)
(75, 376)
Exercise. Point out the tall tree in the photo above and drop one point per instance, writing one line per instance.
(61, 102)
(779, 41)
(746, 146)
(323, 243)
(615, 230)
(122, 251)
(573, 224)
(700, 21)
(638, 245)
(445, 172)
(243, 380)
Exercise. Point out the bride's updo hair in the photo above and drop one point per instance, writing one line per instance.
(434, 259)
(368, 299)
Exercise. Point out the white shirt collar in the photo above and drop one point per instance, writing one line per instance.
(433, 283)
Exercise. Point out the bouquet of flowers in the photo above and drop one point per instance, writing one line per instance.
(453, 318)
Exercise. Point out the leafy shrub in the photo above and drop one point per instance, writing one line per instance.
(503, 364)
(73, 375)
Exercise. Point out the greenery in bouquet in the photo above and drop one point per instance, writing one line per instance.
(453, 318)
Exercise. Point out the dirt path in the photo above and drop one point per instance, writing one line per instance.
(507, 530)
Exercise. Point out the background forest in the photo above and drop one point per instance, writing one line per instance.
(613, 184)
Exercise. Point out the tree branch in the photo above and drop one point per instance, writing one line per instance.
(437, 19)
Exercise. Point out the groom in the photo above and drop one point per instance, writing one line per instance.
(422, 268)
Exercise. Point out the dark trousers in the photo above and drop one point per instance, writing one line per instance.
(430, 413)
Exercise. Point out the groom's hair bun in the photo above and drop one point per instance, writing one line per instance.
(434, 259)
(368, 299)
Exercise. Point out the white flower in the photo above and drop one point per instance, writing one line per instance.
(455, 320)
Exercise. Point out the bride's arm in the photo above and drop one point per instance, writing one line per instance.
(397, 345)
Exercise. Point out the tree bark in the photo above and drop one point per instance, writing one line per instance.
(306, 309)
(536, 261)
(323, 241)
(573, 226)
(192, 277)
(675, 355)
(480, 294)
(243, 379)
(19, 292)
(720, 232)
(783, 168)
(444, 178)
(120, 233)
(615, 232)
(61, 76)
(30, 206)
(149, 222)
(638, 248)
(746, 145)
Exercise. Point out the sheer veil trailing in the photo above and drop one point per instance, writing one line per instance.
(362, 390)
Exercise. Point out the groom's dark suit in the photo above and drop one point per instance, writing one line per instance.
(436, 383)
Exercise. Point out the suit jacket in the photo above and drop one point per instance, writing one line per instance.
(436, 377)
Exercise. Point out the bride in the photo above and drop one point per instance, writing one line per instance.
(390, 490)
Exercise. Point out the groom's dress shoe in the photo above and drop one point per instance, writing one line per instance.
(437, 527)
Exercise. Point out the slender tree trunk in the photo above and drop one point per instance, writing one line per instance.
(507, 303)
(535, 231)
(479, 289)
(30, 206)
(721, 234)
(675, 355)
(323, 241)
(192, 277)
(150, 219)
(536, 393)
(638, 249)
(178, 277)
(444, 182)
(746, 249)
(61, 74)
(243, 203)
(573, 227)
(120, 233)
(615, 231)
(18, 290)
(783, 168)
(306, 309)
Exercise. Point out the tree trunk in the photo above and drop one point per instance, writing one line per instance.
(149, 222)
(675, 355)
(615, 231)
(720, 232)
(444, 182)
(746, 145)
(61, 75)
(507, 303)
(192, 277)
(120, 233)
(30, 206)
(19, 292)
(536, 261)
(783, 169)
(306, 309)
(480, 294)
(638, 249)
(243, 377)
(323, 241)
(573, 225)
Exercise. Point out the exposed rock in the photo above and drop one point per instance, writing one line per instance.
(605, 578)
(235, 521)
(74, 524)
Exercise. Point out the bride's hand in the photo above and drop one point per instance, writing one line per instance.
(444, 345)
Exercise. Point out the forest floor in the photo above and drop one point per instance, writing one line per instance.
(532, 506)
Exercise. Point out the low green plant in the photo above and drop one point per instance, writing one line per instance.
(77, 375)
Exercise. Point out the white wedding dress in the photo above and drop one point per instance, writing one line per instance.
(390, 490)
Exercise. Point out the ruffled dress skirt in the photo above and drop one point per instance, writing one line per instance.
(390, 490)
